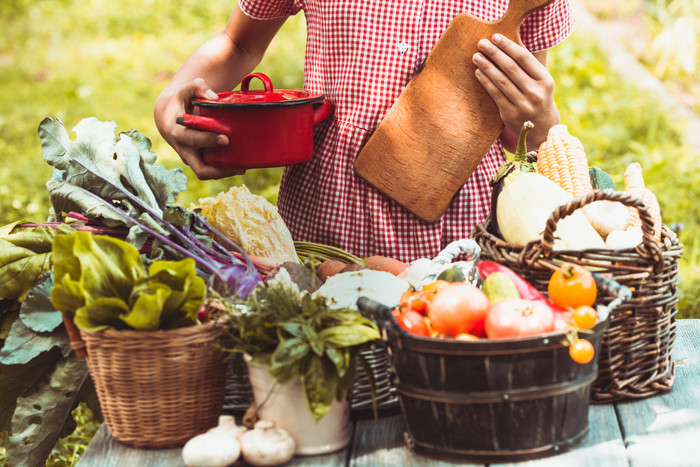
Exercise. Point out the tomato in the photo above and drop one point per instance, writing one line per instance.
(413, 322)
(458, 308)
(572, 286)
(581, 351)
(585, 317)
(413, 301)
(429, 291)
(517, 317)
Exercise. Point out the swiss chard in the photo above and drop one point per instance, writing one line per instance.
(115, 180)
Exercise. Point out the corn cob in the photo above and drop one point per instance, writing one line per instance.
(562, 159)
(634, 186)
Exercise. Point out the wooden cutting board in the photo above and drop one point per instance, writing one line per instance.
(444, 121)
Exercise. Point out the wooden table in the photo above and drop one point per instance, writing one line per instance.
(663, 430)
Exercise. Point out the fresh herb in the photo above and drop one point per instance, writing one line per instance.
(300, 336)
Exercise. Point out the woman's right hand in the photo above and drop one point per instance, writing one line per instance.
(185, 141)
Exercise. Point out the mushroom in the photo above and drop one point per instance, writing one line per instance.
(266, 445)
(227, 424)
(211, 449)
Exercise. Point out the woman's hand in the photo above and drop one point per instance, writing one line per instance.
(187, 142)
(520, 85)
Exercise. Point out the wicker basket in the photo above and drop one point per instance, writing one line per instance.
(635, 359)
(157, 389)
(239, 394)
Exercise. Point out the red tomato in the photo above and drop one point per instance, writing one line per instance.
(458, 308)
(413, 322)
(572, 286)
(517, 317)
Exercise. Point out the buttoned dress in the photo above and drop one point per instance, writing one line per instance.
(360, 55)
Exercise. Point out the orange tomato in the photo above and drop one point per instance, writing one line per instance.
(572, 286)
(459, 308)
(581, 351)
(430, 290)
(585, 317)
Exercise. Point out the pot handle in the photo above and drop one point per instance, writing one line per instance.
(198, 122)
(322, 111)
(267, 83)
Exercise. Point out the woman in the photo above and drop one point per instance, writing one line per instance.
(360, 55)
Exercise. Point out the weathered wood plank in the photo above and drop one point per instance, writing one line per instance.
(665, 429)
(603, 447)
(106, 451)
(381, 442)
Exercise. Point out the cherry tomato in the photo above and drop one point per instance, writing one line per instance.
(516, 317)
(585, 317)
(413, 322)
(413, 301)
(572, 286)
(457, 308)
(429, 291)
(581, 351)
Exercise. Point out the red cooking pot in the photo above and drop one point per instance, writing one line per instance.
(265, 128)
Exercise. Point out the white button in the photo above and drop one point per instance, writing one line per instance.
(402, 47)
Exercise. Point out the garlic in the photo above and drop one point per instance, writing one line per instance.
(266, 445)
(623, 239)
(211, 449)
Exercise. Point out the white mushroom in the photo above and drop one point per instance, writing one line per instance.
(227, 424)
(266, 445)
(211, 449)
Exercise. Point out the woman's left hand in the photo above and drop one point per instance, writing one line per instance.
(520, 85)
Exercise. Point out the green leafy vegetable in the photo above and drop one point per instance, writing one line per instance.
(127, 161)
(300, 336)
(103, 282)
(25, 254)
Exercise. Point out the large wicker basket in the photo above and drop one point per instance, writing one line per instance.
(156, 389)
(635, 359)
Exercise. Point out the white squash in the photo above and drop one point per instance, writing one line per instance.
(525, 204)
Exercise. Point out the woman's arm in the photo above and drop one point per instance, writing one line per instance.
(217, 65)
(521, 86)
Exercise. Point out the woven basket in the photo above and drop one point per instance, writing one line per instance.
(157, 389)
(635, 359)
(239, 394)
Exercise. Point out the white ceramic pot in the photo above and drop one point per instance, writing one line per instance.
(286, 406)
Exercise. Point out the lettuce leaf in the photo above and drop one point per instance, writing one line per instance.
(103, 282)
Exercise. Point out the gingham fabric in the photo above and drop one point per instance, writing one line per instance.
(360, 55)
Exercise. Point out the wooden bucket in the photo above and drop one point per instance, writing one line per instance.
(491, 401)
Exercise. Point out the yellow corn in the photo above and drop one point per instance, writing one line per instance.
(562, 159)
(634, 186)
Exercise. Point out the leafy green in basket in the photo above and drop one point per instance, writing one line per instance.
(103, 282)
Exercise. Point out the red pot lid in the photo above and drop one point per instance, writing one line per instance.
(263, 97)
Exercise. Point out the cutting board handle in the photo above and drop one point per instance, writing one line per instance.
(517, 11)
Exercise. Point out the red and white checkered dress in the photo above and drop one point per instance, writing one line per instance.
(360, 55)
